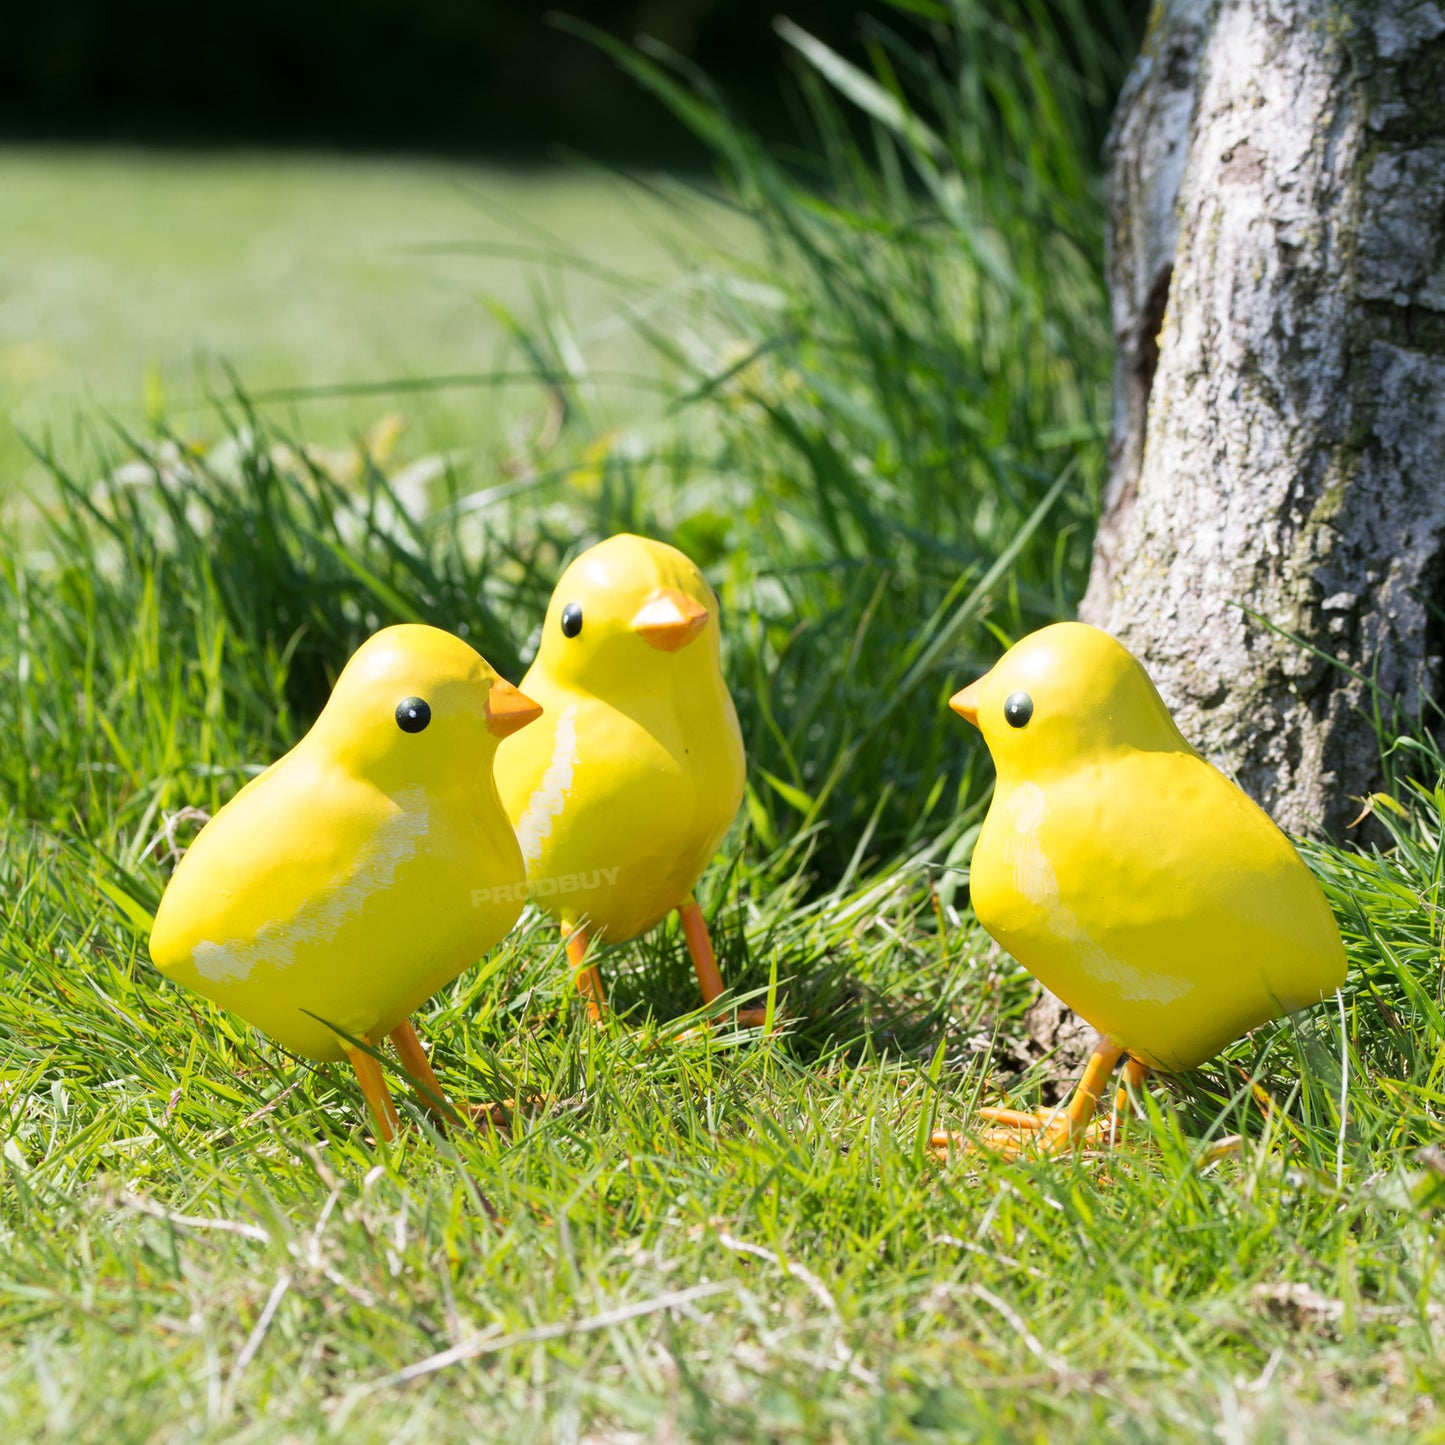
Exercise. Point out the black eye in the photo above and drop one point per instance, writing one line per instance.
(1018, 708)
(571, 619)
(412, 714)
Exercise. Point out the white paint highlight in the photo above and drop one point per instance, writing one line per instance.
(392, 842)
(551, 794)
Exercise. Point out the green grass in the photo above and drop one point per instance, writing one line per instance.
(884, 443)
(130, 280)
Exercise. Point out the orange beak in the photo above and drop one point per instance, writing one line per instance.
(670, 620)
(965, 703)
(508, 709)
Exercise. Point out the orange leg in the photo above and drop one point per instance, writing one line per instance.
(373, 1085)
(415, 1062)
(1049, 1131)
(704, 960)
(1136, 1075)
(589, 981)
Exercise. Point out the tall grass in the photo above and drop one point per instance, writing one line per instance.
(887, 437)
(885, 443)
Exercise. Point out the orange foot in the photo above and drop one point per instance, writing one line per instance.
(497, 1116)
(1051, 1131)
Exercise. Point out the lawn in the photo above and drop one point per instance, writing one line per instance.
(130, 280)
(878, 423)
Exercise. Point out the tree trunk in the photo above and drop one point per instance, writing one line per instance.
(1278, 184)
(1277, 268)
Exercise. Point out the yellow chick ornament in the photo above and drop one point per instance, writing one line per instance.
(622, 797)
(1129, 876)
(361, 872)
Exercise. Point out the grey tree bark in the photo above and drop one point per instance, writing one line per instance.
(1277, 268)
(1278, 183)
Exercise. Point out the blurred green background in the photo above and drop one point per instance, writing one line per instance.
(187, 187)
(130, 278)
(266, 187)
